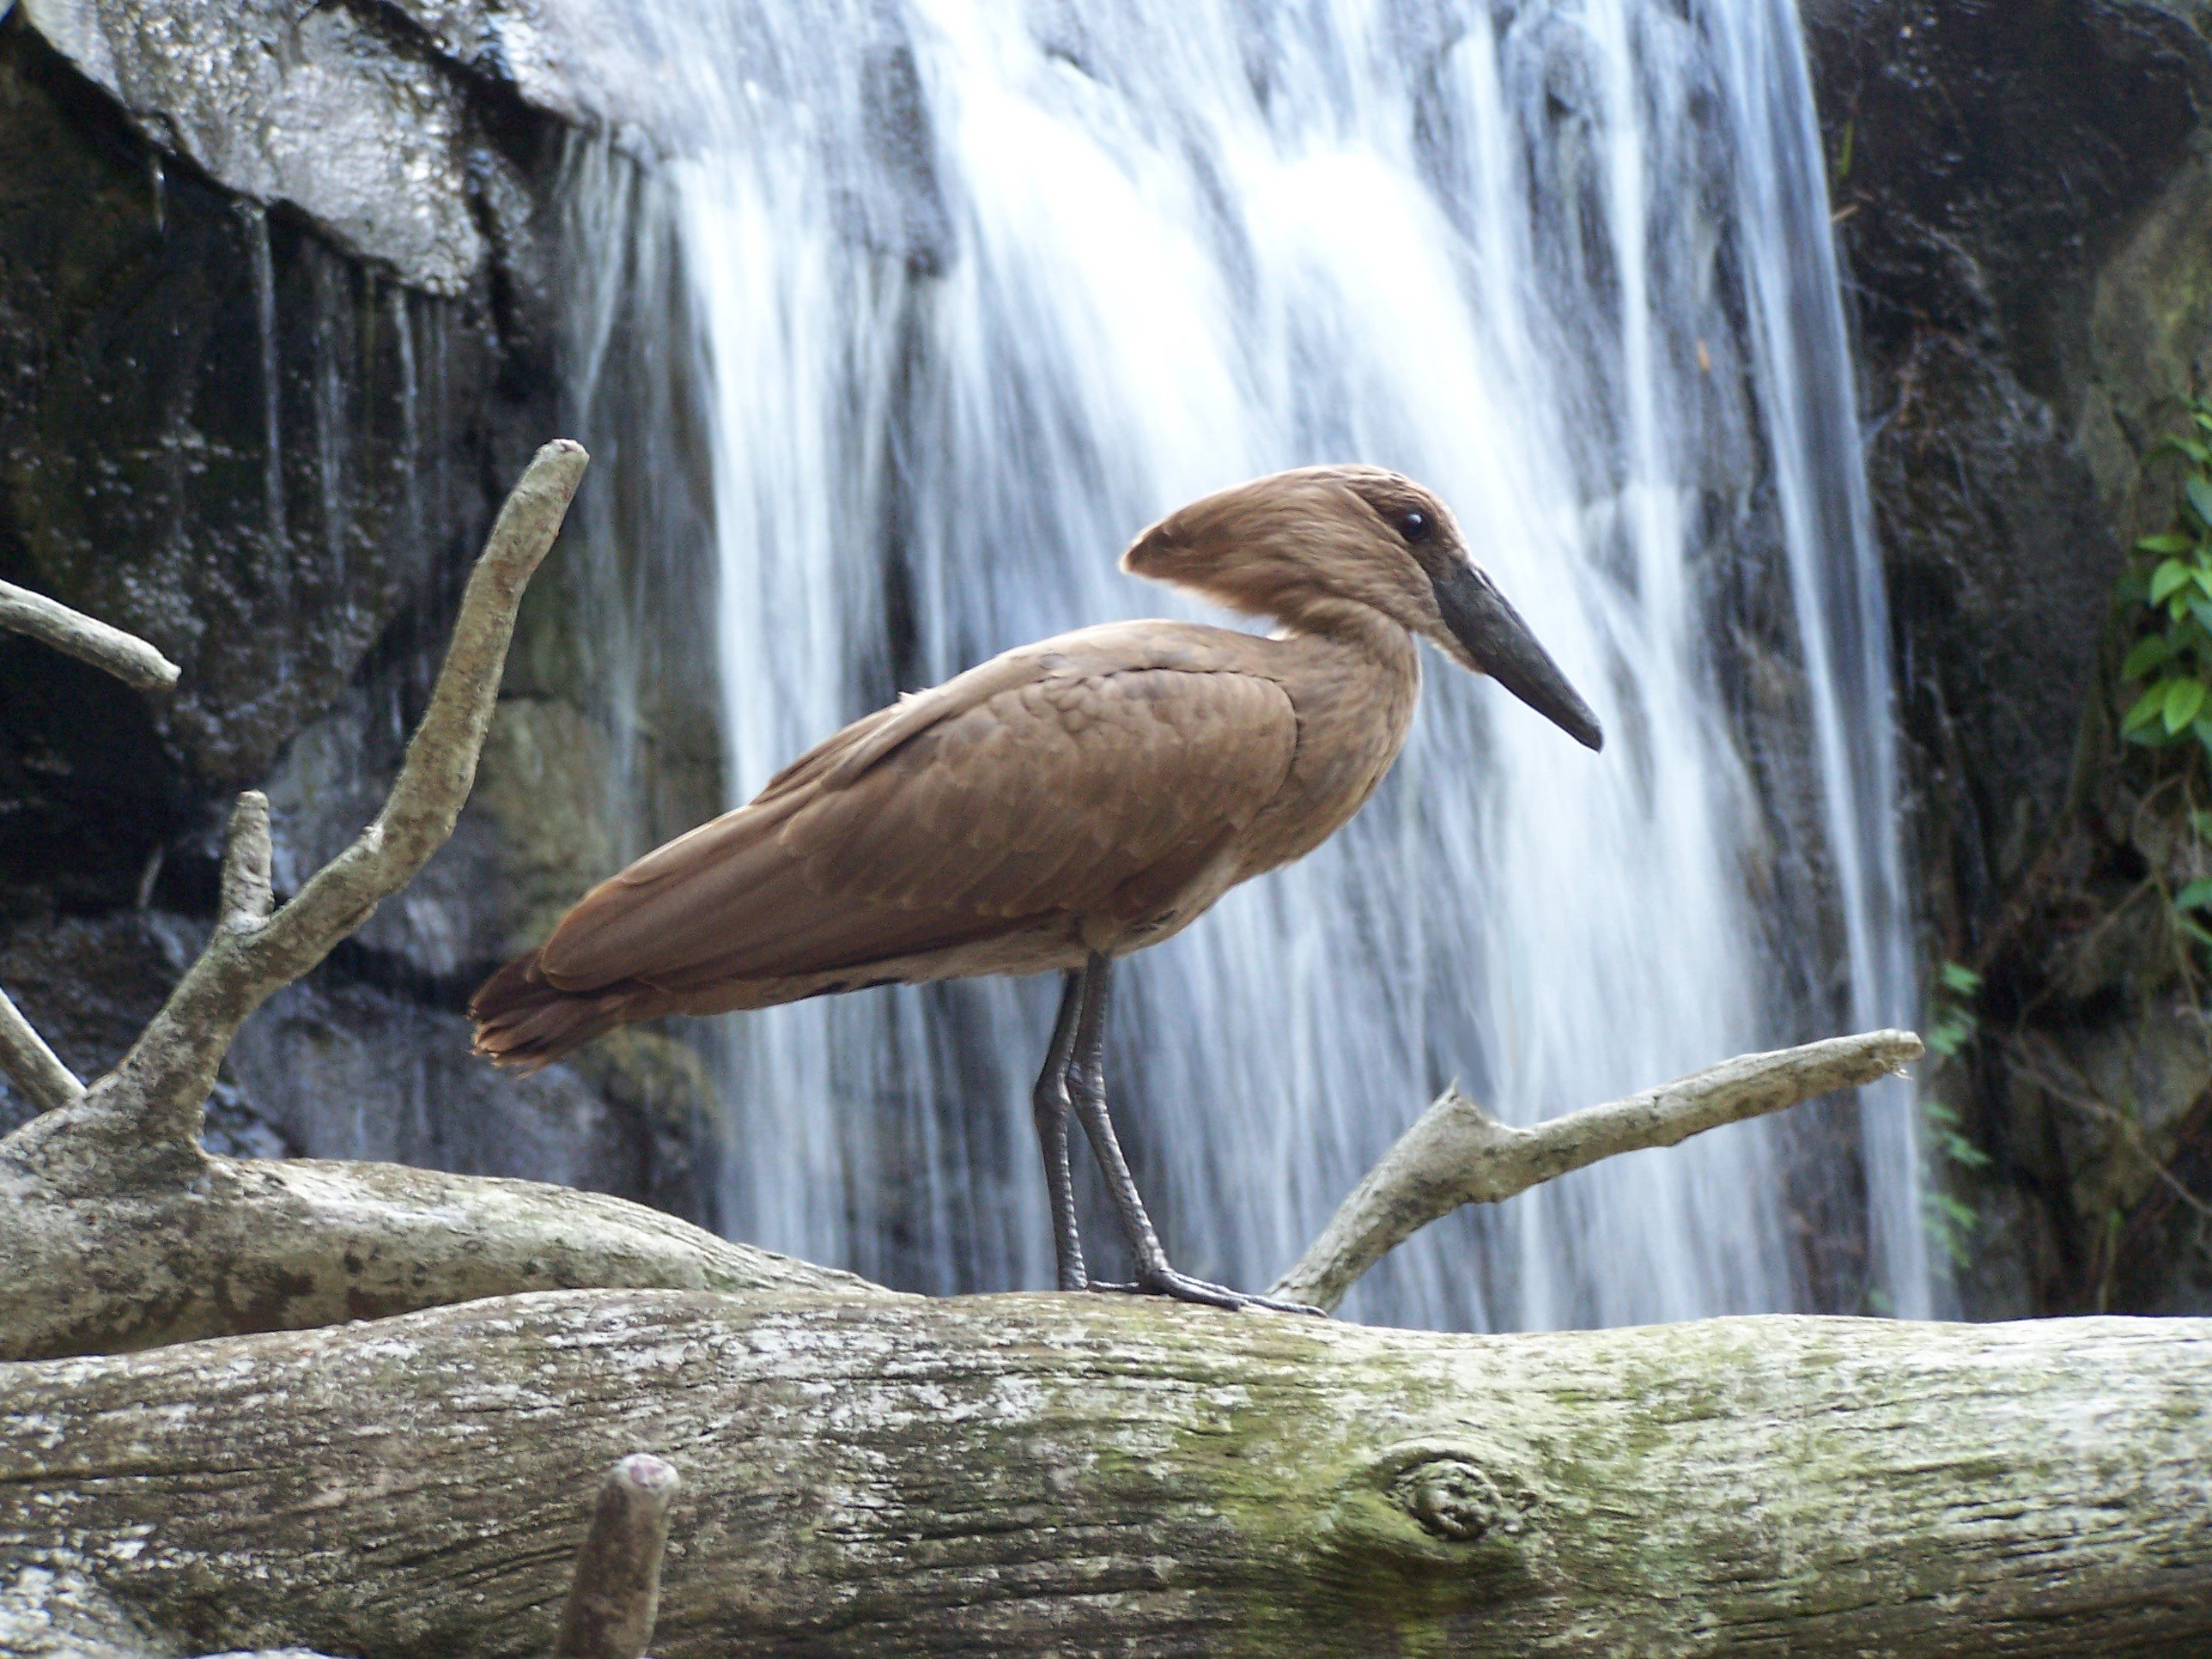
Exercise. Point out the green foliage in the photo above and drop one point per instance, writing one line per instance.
(1952, 1023)
(2166, 604)
(2165, 680)
(1951, 1020)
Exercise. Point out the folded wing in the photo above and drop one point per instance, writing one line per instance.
(1084, 777)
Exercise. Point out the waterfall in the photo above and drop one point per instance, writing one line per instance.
(968, 293)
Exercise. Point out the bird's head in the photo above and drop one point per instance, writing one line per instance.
(1308, 547)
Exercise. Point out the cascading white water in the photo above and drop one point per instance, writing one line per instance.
(981, 290)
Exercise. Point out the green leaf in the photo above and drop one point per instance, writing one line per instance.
(2148, 653)
(2202, 417)
(2195, 896)
(2183, 700)
(2203, 728)
(2190, 447)
(2199, 491)
(2149, 707)
(2201, 611)
(1957, 976)
(2167, 541)
(2194, 928)
(2166, 577)
(1958, 1214)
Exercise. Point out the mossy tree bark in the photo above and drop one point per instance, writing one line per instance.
(1029, 1474)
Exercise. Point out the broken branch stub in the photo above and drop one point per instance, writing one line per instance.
(149, 1108)
(614, 1596)
(1456, 1153)
(73, 634)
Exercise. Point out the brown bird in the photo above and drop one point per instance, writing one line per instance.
(1061, 805)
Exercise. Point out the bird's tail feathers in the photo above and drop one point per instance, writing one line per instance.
(523, 1021)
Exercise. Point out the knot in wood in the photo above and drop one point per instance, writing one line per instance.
(1453, 1498)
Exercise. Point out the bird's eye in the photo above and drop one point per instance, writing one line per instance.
(1413, 525)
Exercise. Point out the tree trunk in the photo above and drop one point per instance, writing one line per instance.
(1026, 1473)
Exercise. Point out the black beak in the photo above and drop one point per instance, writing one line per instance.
(1503, 647)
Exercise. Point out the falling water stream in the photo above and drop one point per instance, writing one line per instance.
(972, 292)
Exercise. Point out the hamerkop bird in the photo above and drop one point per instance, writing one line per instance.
(1061, 805)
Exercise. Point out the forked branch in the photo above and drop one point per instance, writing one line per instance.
(1456, 1153)
(152, 1102)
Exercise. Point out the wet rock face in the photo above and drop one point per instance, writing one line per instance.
(2025, 207)
(274, 340)
(1986, 164)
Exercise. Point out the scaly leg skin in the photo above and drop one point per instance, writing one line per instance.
(1052, 1104)
(1086, 1076)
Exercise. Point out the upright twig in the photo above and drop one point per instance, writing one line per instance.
(126, 656)
(615, 1596)
(1456, 1153)
(153, 1099)
(30, 1065)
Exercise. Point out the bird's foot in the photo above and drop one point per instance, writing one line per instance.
(1182, 1287)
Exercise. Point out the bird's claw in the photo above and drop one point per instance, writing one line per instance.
(1182, 1287)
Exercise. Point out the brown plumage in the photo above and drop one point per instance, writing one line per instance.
(1061, 805)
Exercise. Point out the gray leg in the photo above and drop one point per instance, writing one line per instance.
(1086, 1071)
(1051, 1104)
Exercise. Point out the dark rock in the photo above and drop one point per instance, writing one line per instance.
(1986, 168)
(278, 331)
(2024, 203)
(352, 1072)
(148, 476)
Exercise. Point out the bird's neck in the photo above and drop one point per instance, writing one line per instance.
(1364, 636)
(1353, 675)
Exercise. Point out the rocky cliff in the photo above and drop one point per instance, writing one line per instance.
(278, 326)
(2023, 196)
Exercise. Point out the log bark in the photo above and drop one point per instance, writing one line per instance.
(1086, 1474)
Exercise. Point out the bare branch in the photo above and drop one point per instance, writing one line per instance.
(1457, 1153)
(153, 1099)
(30, 1065)
(615, 1596)
(245, 857)
(126, 656)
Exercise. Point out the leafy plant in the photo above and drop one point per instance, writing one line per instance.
(1952, 1023)
(2167, 591)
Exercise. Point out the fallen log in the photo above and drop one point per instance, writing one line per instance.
(1018, 1475)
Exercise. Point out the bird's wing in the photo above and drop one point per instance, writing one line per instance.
(1092, 775)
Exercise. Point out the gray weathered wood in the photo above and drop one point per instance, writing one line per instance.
(140, 1123)
(1087, 1474)
(30, 1065)
(126, 656)
(289, 1245)
(614, 1593)
(1456, 1153)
